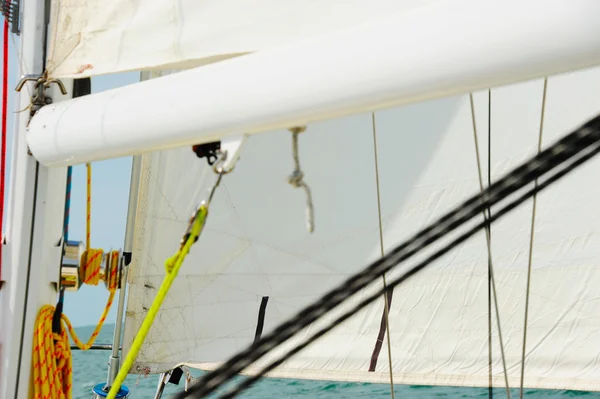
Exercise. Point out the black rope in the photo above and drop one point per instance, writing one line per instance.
(96, 347)
(56, 317)
(577, 147)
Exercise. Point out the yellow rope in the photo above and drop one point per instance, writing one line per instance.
(172, 266)
(52, 364)
(91, 265)
(88, 222)
(52, 367)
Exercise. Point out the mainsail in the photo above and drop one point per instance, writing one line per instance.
(255, 265)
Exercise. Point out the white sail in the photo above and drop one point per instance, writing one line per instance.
(255, 245)
(97, 37)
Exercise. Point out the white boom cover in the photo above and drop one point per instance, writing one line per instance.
(97, 37)
(453, 48)
(255, 245)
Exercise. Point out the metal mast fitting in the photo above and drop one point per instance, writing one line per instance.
(39, 98)
(10, 10)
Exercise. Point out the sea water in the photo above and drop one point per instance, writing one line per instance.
(90, 368)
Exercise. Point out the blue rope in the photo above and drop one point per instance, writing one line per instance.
(68, 203)
(56, 328)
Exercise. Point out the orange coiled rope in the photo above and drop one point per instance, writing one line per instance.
(52, 364)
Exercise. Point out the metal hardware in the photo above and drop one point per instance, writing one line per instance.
(42, 82)
(173, 377)
(114, 361)
(228, 154)
(100, 393)
(71, 277)
(69, 270)
(96, 347)
(209, 151)
(10, 10)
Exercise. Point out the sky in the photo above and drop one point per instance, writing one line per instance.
(110, 194)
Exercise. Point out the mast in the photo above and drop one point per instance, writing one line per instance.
(37, 200)
(114, 360)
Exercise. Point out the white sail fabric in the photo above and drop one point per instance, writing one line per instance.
(96, 37)
(255, 245)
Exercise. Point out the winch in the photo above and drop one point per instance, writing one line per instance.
(89, 266)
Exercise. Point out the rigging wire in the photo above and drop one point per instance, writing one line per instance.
(488, 237)
(530, 260)
(488, 232)
(4, 126)
(491, 278)
(387, 295)
(573, 150)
